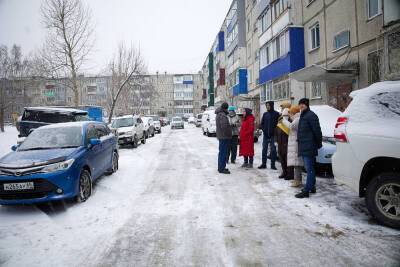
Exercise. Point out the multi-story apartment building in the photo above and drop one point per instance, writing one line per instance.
(347, 47)
(183, 95)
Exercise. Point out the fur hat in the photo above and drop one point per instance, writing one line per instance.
(286, 105)
(294, 110)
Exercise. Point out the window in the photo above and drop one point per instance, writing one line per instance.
(265, 20)
(314, 37)
(249, 76)
(341, 40)
(316, 91)
(281, 90)
(277, 8)
(373, 66)
(374, 8)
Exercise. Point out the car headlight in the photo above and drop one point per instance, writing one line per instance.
(129, 132)
(60, 166)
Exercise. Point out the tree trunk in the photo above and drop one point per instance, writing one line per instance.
(2, 119)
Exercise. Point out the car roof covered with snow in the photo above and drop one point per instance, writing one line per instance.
(70, 124)
(327, 118)
(56, 109)
(125, 117)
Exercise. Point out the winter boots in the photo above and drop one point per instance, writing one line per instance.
(296, 183)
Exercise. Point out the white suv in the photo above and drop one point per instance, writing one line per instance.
(368, 149)
(130, 130)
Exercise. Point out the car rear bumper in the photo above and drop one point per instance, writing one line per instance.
(325, 153)
(46, 188)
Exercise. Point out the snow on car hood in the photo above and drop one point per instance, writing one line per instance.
(124, 129)
(25, 159)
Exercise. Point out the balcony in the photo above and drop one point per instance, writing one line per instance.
(292, 61)
(241, 87)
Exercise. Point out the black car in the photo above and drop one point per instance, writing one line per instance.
(35, 117)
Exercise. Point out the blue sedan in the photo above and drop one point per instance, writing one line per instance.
(58, 162)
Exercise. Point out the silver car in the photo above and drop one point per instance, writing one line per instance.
(177, 122)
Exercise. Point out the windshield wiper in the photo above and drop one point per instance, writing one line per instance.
(47, 148)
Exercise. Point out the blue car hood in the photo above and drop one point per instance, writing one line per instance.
(25, 159)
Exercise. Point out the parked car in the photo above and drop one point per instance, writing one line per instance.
(198, 120)
(368, 149)
(130, 130)
(208, 125)
(327, 118)
(157, 123)
(177, 122)
(191, 120)
(59, 161)
(35, 117)
(148, 124)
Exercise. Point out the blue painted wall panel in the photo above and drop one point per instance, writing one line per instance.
(221, 41)
(187, 82)
(241, 88)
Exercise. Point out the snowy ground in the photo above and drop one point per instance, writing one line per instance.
(167, 206)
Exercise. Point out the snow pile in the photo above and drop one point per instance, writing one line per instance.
(8, 139)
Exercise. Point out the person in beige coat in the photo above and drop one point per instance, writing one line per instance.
(293, 159)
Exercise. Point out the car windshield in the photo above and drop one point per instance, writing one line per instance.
(123, 122)
(51, 138)
(177, 119)
(155, 118)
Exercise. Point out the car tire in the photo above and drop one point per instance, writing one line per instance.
(144, 139)
(383, 198)
(85, 186)
(135, 142)
(204, 133)
(114, 164)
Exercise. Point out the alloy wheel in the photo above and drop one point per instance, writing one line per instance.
(387, 199)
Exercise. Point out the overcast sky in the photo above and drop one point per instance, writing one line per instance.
(173, 35)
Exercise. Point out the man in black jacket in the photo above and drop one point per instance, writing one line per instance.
(224, 136)
(268, 124)
(309, 137)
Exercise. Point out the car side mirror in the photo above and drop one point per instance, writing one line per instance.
(94, 142)
(14, 147)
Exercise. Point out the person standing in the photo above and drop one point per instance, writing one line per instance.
(293, 159)
(282, 135)
(224, 136)
(234, 121)
(309, 137)
(268, 124)
(247, 139)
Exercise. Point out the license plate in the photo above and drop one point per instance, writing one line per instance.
(19, 186)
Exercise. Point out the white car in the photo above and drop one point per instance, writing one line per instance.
(368, 149)
(156, 122)
(191, 120)
(149, 128)
(208, 124)
(130, 130)
(327, 118)
(177, 122)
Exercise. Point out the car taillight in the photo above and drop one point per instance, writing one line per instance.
(340, 130)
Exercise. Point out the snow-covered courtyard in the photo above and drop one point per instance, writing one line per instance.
(168, 206)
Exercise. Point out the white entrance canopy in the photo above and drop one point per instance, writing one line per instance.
(317, 73)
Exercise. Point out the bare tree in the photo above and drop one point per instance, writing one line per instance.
(126, 70)
(69, 40)
(13, 71)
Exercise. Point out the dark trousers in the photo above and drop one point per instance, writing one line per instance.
(222, 154)
(282, 151)
(309, 163)
(266, 142)
(232, 150)
(248, 159)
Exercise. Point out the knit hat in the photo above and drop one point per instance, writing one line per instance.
(305, 101)
(224, 106)
(231, 108)
(294, 110)
(286, 105)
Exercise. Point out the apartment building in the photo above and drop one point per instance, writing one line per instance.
(347, 47)
(183, 95)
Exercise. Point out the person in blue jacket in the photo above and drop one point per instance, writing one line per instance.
(309, 138)
(268, 124)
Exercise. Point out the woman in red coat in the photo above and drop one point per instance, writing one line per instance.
(247, 139)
